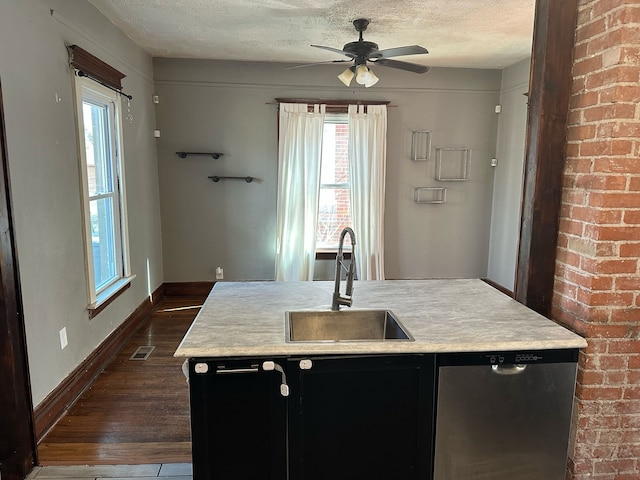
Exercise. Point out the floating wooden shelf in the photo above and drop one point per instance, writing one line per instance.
(217, 178)
(215, 155)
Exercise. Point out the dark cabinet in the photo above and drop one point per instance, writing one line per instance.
(361, 417)
(238, 420)
(346, 417)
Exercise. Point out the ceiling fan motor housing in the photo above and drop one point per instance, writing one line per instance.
(362, 49)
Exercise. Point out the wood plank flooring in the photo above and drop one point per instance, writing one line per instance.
(135, 412)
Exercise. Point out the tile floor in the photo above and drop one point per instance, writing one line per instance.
(163, 471)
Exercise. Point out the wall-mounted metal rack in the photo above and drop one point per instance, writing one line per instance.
(215, 155)
(420, 145)
(460, 169)
(430, 195)
(217, 178)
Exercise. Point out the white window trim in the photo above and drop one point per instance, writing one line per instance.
(96, 299)
(337, 118)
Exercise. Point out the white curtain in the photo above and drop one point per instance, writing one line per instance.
(299, 157)
(367, 170)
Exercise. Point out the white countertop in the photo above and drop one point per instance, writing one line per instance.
(248, 319)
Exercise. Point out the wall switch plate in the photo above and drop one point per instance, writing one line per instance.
(219, 273)
(63, 338)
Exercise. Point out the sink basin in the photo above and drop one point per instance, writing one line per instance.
(344, 325)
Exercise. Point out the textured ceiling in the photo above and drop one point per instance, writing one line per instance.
(457, 33)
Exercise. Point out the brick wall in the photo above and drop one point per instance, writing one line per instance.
(597, 285)
(343, 196)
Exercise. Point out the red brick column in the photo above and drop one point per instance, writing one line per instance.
(597, 285)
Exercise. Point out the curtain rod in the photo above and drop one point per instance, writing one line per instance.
(331, 103)
(80, 73)
(334, 106)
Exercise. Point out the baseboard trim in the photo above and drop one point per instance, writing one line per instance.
(62, 397)
(188, 289)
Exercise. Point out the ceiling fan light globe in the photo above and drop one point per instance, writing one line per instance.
(363, 74)
(346, 76)
(373, 79)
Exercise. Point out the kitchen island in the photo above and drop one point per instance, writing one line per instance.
(481, 369)
(247, 318)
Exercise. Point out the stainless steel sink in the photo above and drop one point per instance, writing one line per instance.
(344, 325)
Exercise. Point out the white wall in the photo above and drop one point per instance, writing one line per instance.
(43, 167)
(507, 187)
(224, 106)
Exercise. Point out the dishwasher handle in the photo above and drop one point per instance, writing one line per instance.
(511, 369)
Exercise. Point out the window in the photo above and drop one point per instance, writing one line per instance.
(311, 185)
(334, 206)
(103, 191)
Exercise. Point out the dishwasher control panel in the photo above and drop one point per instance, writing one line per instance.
(528, 358)
(508, 357)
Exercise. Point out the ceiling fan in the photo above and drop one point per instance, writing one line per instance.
(361, 52)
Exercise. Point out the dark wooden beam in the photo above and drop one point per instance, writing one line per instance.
(549, 92)
(18, 452)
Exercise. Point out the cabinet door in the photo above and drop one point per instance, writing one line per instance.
(238, 420)
(361, 417)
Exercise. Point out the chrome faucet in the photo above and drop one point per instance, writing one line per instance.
(337, 298)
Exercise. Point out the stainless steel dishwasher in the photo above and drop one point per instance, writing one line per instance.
(504, 416)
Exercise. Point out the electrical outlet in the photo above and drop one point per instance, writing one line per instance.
(219, 273)
(63, 338)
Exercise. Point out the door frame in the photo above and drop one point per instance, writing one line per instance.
(18, 450)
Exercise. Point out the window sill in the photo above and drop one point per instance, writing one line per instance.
(330, 254)
(109, 295)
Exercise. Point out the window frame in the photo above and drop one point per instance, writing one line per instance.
(88, 90)
(329, 253)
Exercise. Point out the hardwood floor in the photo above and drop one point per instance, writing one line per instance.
(135, 412)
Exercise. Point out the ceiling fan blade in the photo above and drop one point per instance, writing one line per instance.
(409, 67)
(317, 63)
(336, 50)
(400, 51)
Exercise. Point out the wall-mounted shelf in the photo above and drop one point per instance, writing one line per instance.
(430, 195)
(458, 162)
(217, 178)
(215, 155)
(420, 145)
